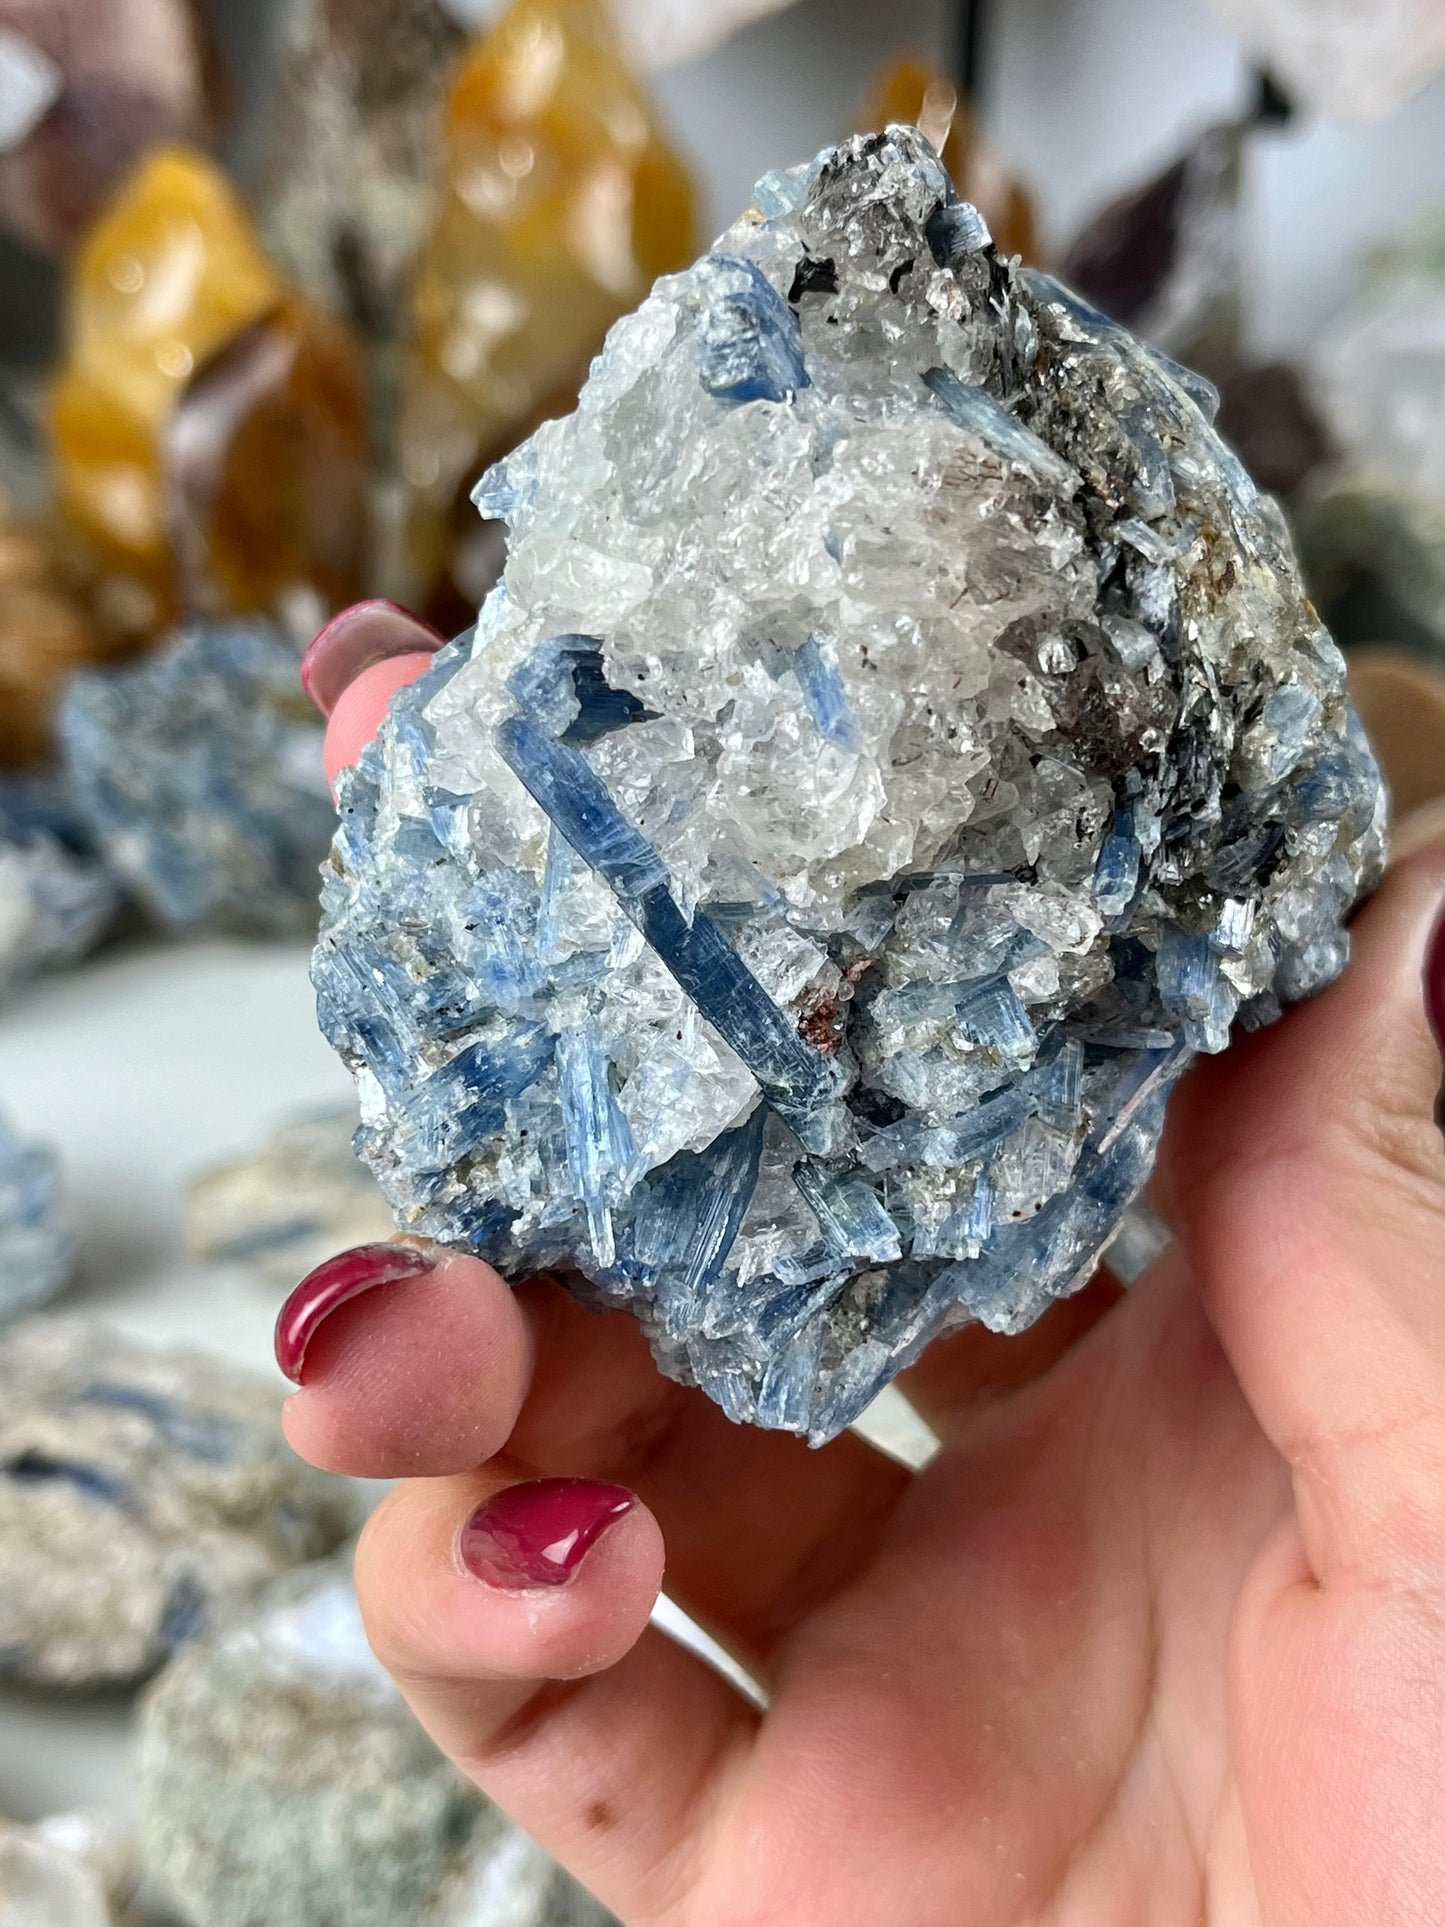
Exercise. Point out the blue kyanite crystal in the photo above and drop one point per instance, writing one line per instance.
(56, 898)
(37, 1247)
(900, 743)
(198, 772)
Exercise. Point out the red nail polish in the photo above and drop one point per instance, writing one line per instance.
(332, 1284)
(1435, 983)
(367, 632)
(539, 1534)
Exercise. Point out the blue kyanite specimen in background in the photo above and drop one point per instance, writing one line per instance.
(900, 742)
(37, 1246)
(198, 771)
(56, 898)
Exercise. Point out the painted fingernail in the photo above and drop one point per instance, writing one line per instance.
(367, 632)
(340, 1279)
(1435, 983)
(539, 1534)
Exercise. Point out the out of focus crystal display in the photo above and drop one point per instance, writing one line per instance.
(1379, 372)
(198, 772)
(37, 1246)
(899, 744)
(71, 1870)
(302, 1197)
(282, 1782)
(56, 899)
(1351, 61)
(143, 1491)
(47, 630)
(912, 91)
(202, 400)
(560, 200)
(86, 88)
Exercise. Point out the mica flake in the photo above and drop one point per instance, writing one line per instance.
(899, 744)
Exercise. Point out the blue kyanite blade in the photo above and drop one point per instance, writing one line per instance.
(750, 347)
(823, 692)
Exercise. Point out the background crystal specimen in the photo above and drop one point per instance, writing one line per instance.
(101, 81)
(142, 1490)
(37, 1247)
(304, 1196)
(56, 899)
(198, 772)
(560, 202)
(900, 742)
(282, 1782)
(46, 632)
(1351, 61)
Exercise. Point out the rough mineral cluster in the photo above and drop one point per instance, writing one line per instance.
(142, 1492)
(198, 771)
(900, 743)
(37, 1246)
(56, 899)
(282, 1782)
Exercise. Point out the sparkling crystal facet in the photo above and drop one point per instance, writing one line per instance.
(899, 744)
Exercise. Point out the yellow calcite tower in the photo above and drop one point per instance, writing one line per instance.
(560, 203)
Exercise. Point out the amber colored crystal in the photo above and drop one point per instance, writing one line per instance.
(208, 423)
(912, 91)
(561, 202)
(267, 465)
(46, 631)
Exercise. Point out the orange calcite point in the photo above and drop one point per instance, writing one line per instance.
(45, 632)
(561, 203)
(913, 91)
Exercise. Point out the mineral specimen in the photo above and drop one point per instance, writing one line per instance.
(172, 277)
(560, 202)
(282, 1783)
(88, 86)
(56, 899)
(1379, 373)
(141, 1491)
(37, 1246)
(45, 633)
(899, 744)
(303, 1197)
(1352, 62)
(199, 773)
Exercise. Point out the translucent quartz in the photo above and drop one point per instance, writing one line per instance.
(282, 1782)
(144, 1494)
(197, 390)
(899, 743)
(560, 202)
(123, 75)
(198, 774)
(912, 91)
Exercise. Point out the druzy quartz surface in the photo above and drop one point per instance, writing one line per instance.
(899, 744)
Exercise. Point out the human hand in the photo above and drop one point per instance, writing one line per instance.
(1157, 1637)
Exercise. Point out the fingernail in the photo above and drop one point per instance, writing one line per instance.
(1435, 983)
(539, 1534)
(341, 1278)
(367, 632)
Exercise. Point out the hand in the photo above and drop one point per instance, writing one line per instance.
(1158, 1637)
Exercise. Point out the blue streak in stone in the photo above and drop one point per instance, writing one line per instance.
(465, 1102)
(794, 1079)
(562, 685)
(749, 344)
(691, 1214)
(599, 1143)
(816, 664)
(975, 410)
(850, 1215)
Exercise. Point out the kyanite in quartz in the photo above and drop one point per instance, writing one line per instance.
(198, 772)
(37, 1246)
(143, 1494)
(282, 1782)
(899, 744)
(56, 899)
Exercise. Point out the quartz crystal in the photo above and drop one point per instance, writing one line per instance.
(86, 88)
(282, 1782)
(899, 744)
(282, 1210)
(204, 402)
(199, 773)
(560, 201)
(912, 91)
(56, 899)
(1352, 61)
(143, 1491)
(37, 1246)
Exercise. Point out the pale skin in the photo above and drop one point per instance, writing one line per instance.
(1157, 1639)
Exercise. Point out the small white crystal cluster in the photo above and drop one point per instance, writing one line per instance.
(899, 742)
